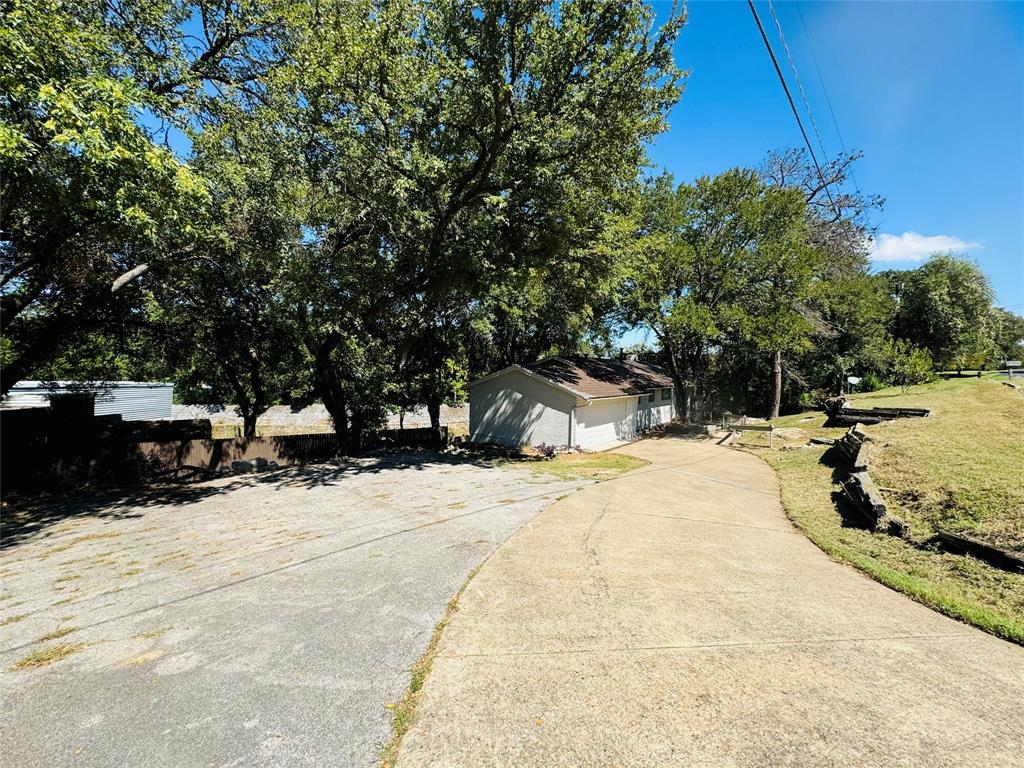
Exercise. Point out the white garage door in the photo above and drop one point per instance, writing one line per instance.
(606, 422)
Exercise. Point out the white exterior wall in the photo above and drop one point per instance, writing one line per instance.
(610, 420)
(656, 413)
(605, 422)
(135, 401)
(515, 409)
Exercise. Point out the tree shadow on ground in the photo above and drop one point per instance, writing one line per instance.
(694, 432)
(33, 517)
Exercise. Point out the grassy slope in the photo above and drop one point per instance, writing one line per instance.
(963, 467)
(960, 468)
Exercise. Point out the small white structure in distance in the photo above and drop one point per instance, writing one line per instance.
(580, 401)
(133, 400)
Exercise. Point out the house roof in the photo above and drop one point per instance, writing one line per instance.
(593, 378)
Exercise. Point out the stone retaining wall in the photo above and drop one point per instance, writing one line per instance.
(314, 415)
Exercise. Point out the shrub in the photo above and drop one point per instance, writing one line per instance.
(908, 364)
(813, 400)
(545, 450)
(872, 382)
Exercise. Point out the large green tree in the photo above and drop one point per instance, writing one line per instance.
(455, 147)
(226, 300)
(850, 309)
(392, 190)
(90, 198)
(945, 306)
(722, 261)
(1009, 334)
(779, 318)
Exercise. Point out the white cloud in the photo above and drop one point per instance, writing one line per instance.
(911, 246)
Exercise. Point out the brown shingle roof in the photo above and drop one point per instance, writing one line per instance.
(593, 377)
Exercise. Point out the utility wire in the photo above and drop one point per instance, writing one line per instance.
(792, 106)
(796, 76)
(824, 90)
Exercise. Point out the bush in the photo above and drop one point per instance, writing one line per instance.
(872, 382)
(813, 400)
(545, 450)
(908, 364)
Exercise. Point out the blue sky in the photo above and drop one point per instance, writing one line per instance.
(932, 92)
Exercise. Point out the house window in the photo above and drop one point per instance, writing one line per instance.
(650, 398)
(666, 394)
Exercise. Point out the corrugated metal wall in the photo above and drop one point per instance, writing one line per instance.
(133, 400)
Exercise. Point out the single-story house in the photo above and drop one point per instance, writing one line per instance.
(133, 400)
(587, 402)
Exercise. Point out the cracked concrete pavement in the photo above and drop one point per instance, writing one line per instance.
(254, 621)
(674, 616)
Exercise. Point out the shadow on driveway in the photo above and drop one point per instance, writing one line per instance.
(31, 518)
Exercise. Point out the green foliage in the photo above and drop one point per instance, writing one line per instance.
(91, 200)
(871, 382)
(722, 261)
(908, 365)
(235, 337)
(462, 168)
(855, 312)
(1009, 336)
(946, 308)
(385, 199)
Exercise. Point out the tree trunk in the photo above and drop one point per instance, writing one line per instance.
(249, 408)
(682, 397)
(354, 444)
(259, 405)
(249, 425)
(776, 385)
(327, 387)
(339, 416)
(434, 410)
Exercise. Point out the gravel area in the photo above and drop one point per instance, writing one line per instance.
(258, 620)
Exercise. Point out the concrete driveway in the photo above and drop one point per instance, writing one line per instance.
(674, 617)
(258, 621)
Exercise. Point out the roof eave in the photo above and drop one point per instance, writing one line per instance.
(532, 375)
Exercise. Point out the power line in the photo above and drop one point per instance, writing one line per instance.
(824, 90)
(796, 76)
(792, 106)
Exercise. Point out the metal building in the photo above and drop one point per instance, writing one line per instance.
(133, 400)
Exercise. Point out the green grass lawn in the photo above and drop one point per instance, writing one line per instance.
(581, 466)
(958, 469)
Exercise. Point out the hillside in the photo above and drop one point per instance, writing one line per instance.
(959, 469)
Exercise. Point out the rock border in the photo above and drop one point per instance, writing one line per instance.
(860, 489)
(867, 499)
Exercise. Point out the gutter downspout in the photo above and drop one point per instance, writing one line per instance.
(572, 421)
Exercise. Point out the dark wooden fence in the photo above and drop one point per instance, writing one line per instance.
(43, 449)
(214, 455)
(286, 450)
